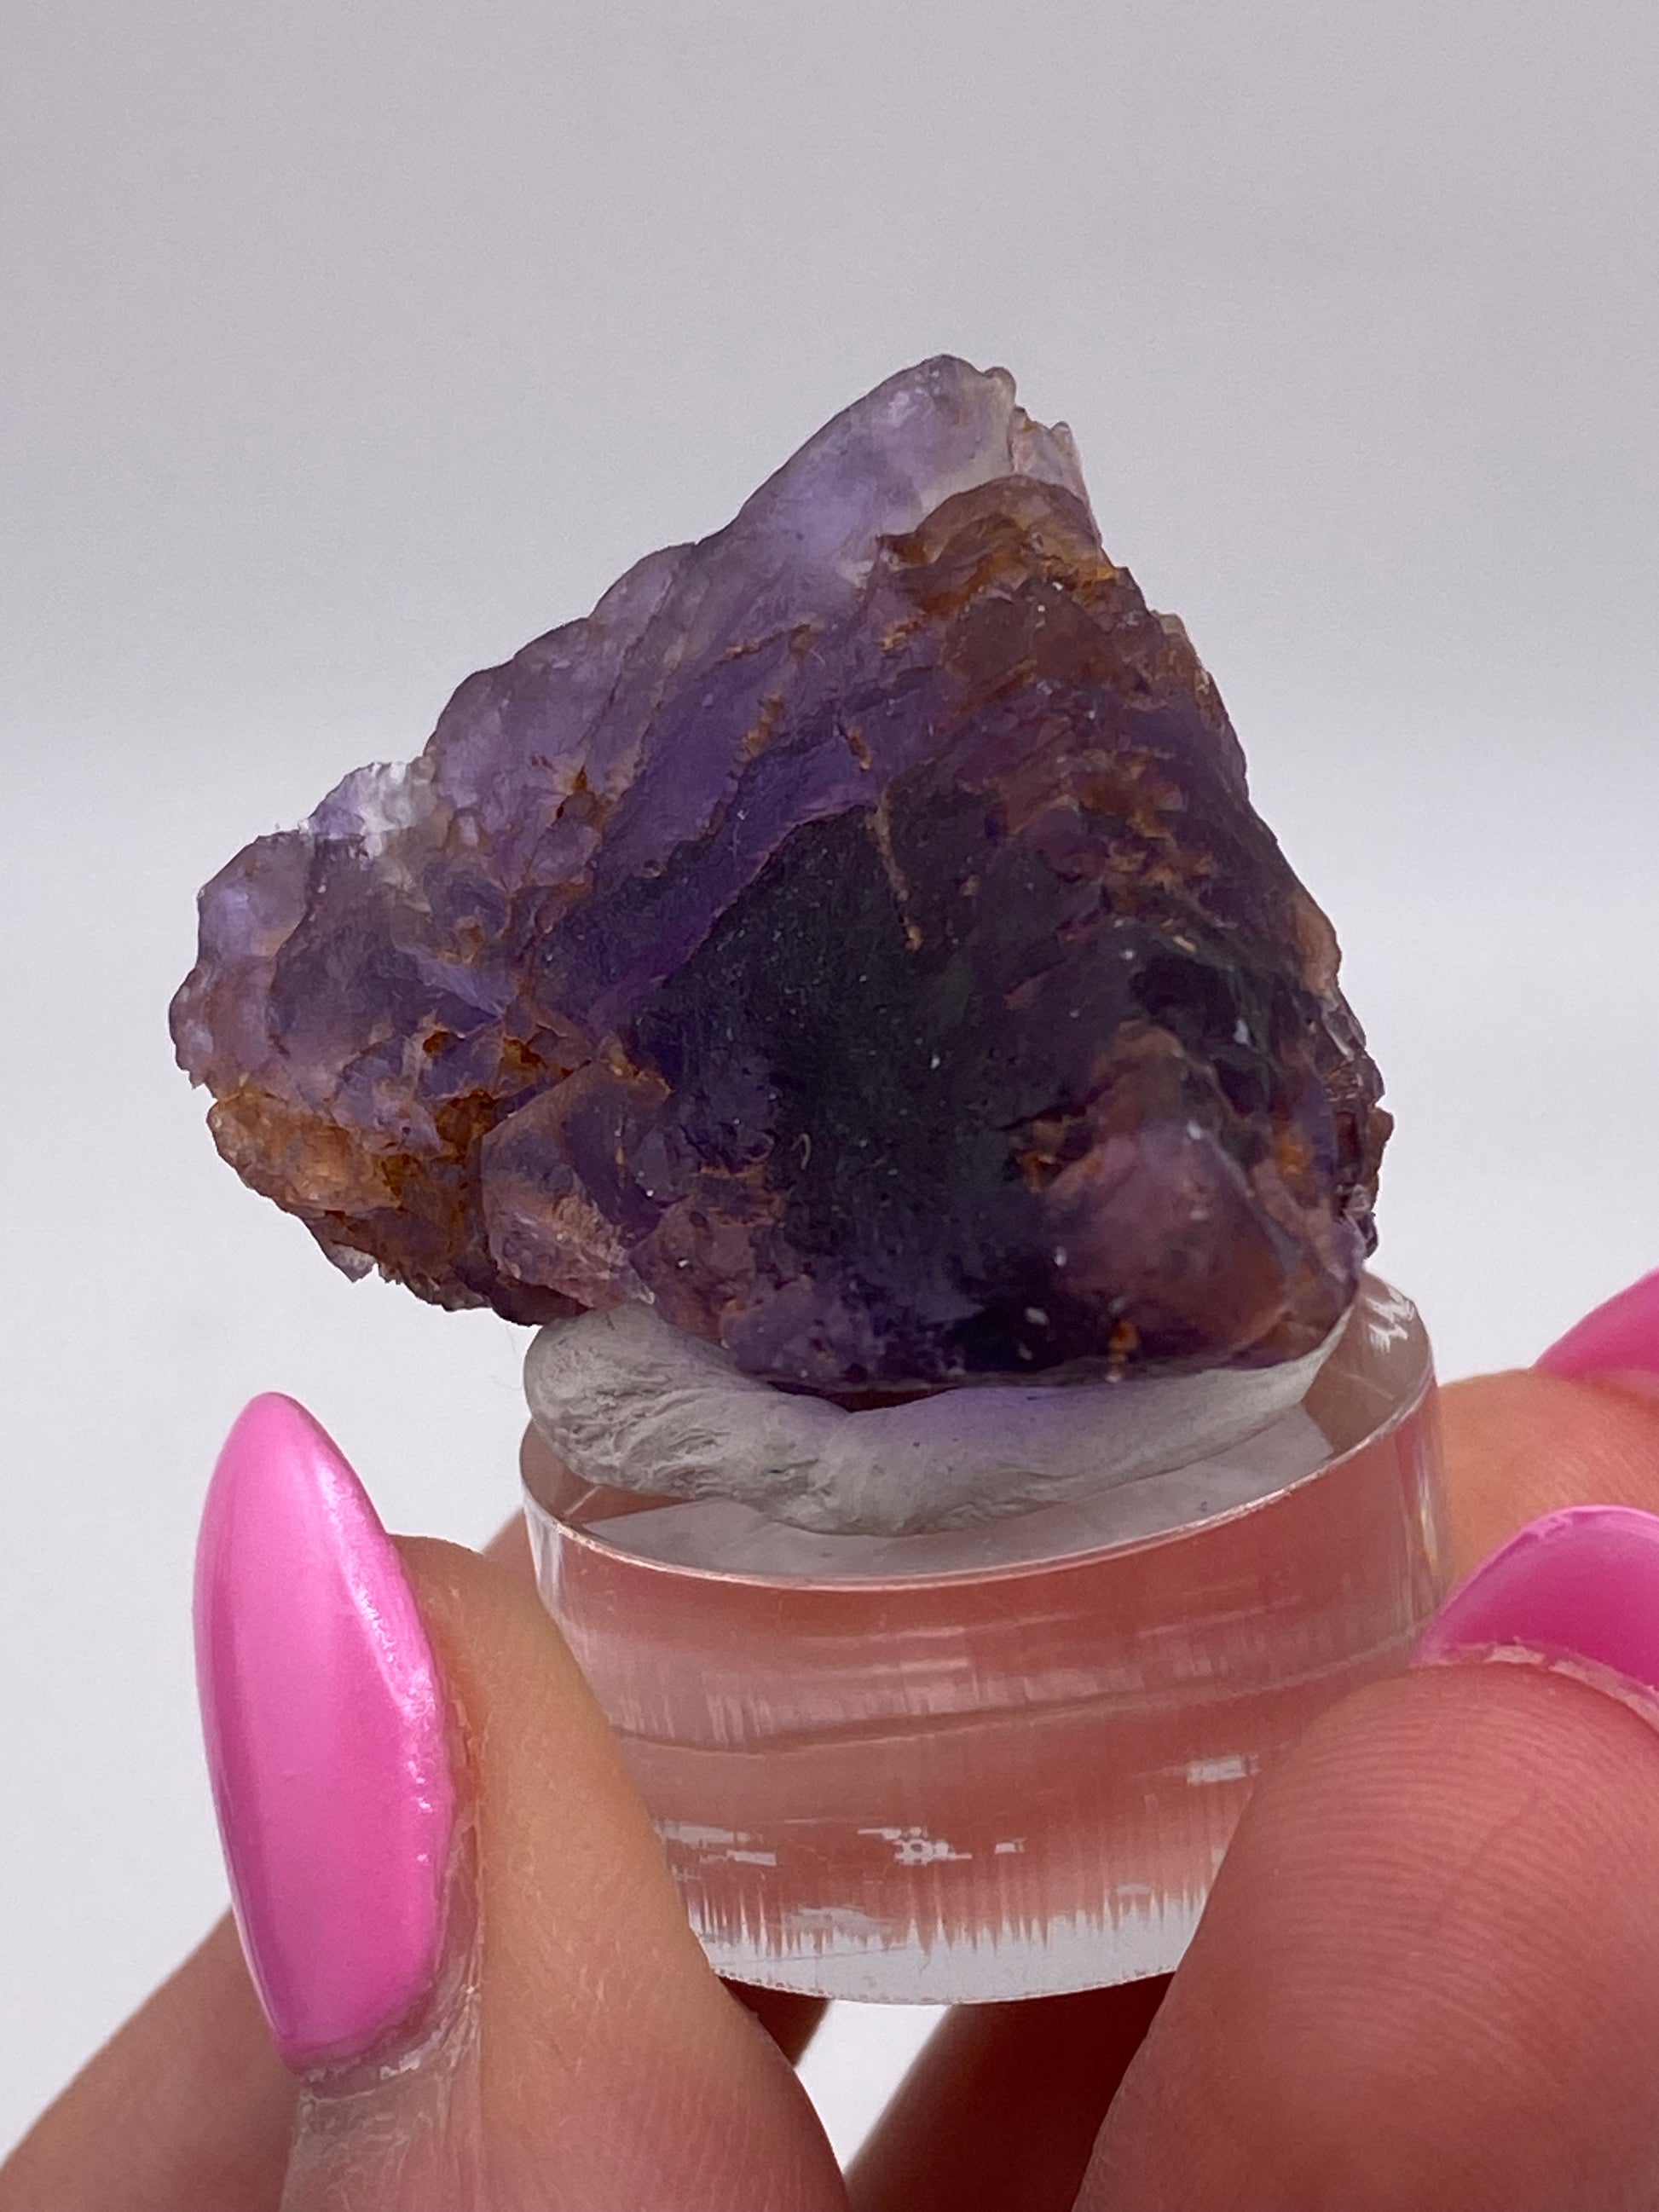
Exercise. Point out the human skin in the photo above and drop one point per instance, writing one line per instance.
(1428, 1976)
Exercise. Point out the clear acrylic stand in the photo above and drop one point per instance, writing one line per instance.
(1002, 1761)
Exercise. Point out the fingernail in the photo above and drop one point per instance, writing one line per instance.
(1619, 1338)
(323, 1715)
(1578, 1589)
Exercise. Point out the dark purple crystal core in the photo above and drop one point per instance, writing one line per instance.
(854, 938)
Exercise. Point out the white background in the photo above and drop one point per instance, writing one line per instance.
(348, 345)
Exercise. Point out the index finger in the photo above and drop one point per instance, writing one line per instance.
(1429, 1972)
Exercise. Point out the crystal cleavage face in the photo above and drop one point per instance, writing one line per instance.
(853, 939)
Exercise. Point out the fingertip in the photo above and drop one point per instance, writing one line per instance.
(606, 2048)
(1429, 1973)
(324, 1730)
(1521, 1444)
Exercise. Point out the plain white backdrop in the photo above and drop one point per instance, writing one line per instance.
(348, 345)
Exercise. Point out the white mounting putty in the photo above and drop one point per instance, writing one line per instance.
(630, 1403)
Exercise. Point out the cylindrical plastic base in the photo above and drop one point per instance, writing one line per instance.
(1001, 1762)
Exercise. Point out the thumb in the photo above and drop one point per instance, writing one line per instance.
(453, 1903)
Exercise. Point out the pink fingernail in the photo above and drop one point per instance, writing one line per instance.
(1619, 1338)
(324, 1720)
(1578, 1590)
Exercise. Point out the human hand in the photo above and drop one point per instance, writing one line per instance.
(1428, 1976)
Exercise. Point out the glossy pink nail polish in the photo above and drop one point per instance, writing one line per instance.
(1619, 1338)
(323, 1720)
(1581, 1585)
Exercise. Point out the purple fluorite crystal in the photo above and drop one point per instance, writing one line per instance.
(854, 938)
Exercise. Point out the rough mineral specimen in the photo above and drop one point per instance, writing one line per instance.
(854, 938)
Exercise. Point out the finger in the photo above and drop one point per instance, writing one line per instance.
(188, 2109)
(454, 1907)
(188, 2105)
(608, 2067)
(1429, 1973)
(1517, 1445)
(1000, 2110)
(791, 2020)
